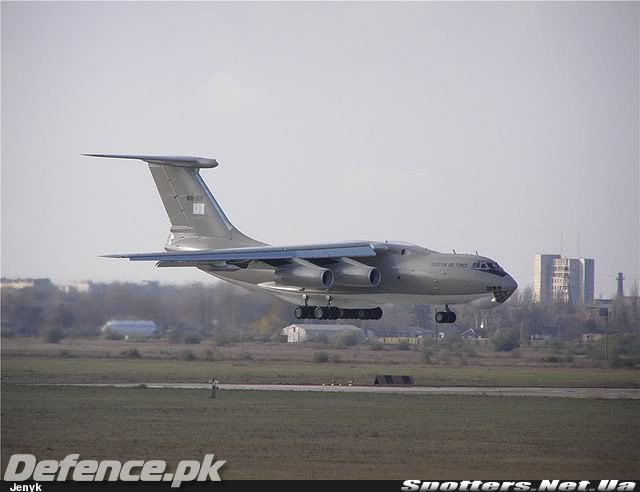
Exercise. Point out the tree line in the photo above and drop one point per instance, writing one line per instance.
(220, 310)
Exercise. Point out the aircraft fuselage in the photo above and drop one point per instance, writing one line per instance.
(410, 274)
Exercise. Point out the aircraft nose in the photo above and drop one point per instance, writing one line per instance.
(509, 284)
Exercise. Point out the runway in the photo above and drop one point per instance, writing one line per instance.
(581, 393)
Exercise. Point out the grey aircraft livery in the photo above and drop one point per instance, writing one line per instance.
(326, 281)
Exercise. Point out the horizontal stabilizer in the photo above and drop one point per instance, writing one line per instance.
(164, 160)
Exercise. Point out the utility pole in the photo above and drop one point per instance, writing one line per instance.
(435, 342)
(606, 333)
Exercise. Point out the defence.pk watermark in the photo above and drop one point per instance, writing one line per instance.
(25, 467)
(504, 486)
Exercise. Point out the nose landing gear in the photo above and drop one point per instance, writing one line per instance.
(446, 316)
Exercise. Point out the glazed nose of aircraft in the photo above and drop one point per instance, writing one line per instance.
(509, 285)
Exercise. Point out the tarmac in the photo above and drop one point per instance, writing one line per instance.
(581, 393)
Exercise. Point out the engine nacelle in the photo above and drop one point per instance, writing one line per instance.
(303, 276)
(356, 276)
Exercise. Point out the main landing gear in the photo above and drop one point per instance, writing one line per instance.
(445, 316)
(332, 312)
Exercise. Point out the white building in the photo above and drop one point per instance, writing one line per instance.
(560, 279)
(80, 287)
(302, 332)
(131, 328)
(543, 269)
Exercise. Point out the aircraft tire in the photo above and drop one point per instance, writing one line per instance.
(321, 312)
(334, 313)
(300, 312)
(451, 317)
(377, 313)
(441, 317)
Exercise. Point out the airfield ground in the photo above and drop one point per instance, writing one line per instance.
(99, 361)
(316, 435)
(285, 434)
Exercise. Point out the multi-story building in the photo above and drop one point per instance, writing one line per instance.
(543, 272)
(560, 279)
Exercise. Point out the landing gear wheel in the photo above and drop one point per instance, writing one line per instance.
(452, 317)
(334, 313)
(300, 312)
(321, 312)
(441, 317)
(362, 314)
(376, 313)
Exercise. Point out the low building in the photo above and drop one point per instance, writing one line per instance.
(591, 337)
(397, 340)
(79, 287)
(130, 328)
(302, 332)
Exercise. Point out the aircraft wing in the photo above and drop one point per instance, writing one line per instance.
(261, 253)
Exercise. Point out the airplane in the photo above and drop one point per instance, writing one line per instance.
(340, 280)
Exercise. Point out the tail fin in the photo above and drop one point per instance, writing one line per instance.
(197, 220)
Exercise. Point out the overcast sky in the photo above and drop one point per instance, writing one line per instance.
(474, 126)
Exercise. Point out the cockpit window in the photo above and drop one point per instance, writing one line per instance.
(488, 266)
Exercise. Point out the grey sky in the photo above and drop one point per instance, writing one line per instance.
(474, 126)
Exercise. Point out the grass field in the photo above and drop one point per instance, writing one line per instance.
(106, 370)
(473, 354)
(307, 435)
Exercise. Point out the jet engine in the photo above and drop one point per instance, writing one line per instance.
(304, 276)
(356, 275)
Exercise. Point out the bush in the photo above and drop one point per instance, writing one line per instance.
(53, 335)
(187, 355)
(618, 361)
(505, 340)
(192, 339)
(557, 358)
(426, 355)
(320, 357)
(65, 353)
(209, 353)
(334, 358)
(347, 340)
(245, 356)
(222, 339)
(403, 346)
(376, 346)
(132, 353)
(628, 344)
(109, 334)
(470, 352)
(595, 350)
